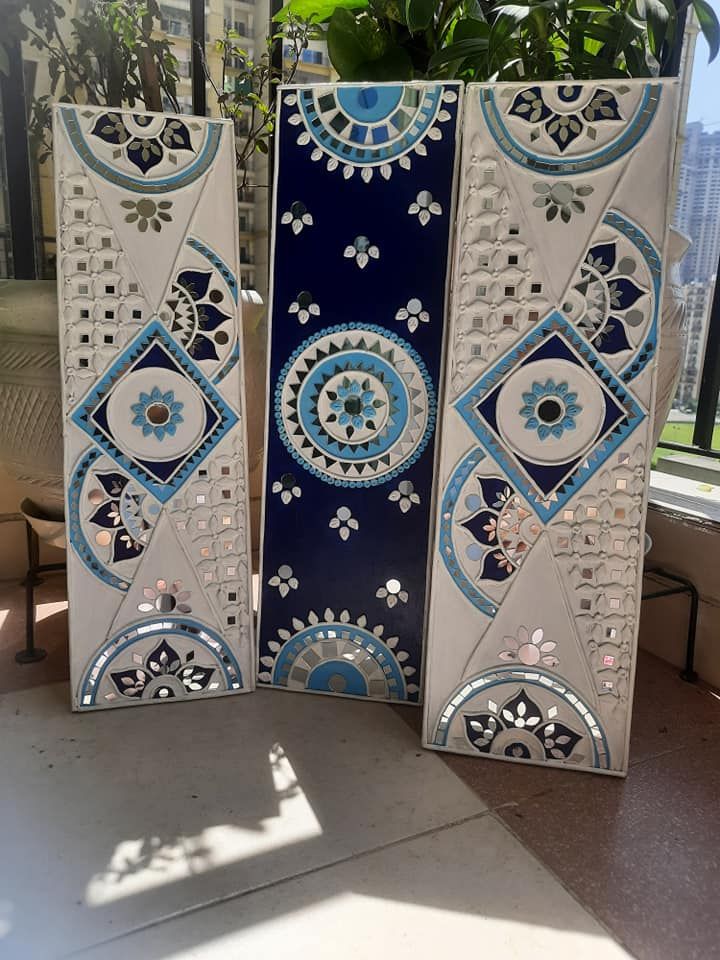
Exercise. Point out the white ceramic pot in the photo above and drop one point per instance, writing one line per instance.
(31, 419)
(673, 332)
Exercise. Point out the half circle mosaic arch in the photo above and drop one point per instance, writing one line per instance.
(370, 126)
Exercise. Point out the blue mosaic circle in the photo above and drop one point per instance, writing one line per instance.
(365, 126)
(340, 658)
(184, 636)
(355, 405)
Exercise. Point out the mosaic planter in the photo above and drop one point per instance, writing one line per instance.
(156, 480)
(546, 433)
(364, 195)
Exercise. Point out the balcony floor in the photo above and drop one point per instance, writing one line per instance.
(284, 823)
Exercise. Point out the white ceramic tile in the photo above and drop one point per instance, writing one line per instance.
(545, 432)
(107, 823)
(470, 889)
(157, 510)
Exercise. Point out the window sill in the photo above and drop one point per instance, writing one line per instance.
(686, 497)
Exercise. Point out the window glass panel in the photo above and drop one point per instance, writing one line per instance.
(697, 216)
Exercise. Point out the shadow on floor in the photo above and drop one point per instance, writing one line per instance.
(112, 820)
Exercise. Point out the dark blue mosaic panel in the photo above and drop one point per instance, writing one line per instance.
(362, 230)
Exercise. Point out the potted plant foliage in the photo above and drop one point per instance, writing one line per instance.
(487, 40)
(521, 41)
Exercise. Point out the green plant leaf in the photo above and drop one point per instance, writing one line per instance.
(361, 49)
(394, 64)
(709, 25)
(659, 16)
(317, 10)
(459, 51)
(515, 11)
(469, 29)
(588, 6)
(390, 9)
(345, 47)
(419, 14)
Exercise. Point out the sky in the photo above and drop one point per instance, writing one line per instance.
(704, 100)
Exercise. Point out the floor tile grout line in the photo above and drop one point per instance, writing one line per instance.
(566, 887)
(260, 888)
(659, 756)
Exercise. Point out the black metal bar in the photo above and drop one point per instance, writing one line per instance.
(276, 65)
(687, 448)
(710, 380)
(277, 50)
(686, 586)
(17, 159)
(197, 58)
(31, 653)
(664, 593)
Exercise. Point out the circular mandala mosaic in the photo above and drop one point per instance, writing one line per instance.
(159, 660)
(143, 153)
(522, 715)
(335, 654)
(355, 405)
(365, 127)
(550, 410)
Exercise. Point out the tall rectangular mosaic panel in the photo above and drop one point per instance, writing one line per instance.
(363, 216)
(157, 512)
(546, 423)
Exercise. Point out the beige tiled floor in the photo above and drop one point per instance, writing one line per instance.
(643, 854)
(278, 823)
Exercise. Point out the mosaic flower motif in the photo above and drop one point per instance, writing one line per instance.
(392, 592)
(560, 198)
(517, 729)
(157, 413)
(165, 599)
(611, 296)
(354, 404)
(147, 212)
(287, 487)
(145, 152)
(162, 675)
(530, 648)
(565, 127)
(118, 512)
(195, 316)
(424, 207)
(404, 496)
(501, 527)
(361, 250)
(602, 106)
(414, 314)
(344, 522)
(304, 307)
(550, 408)
(284, 580)
(297, 216)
